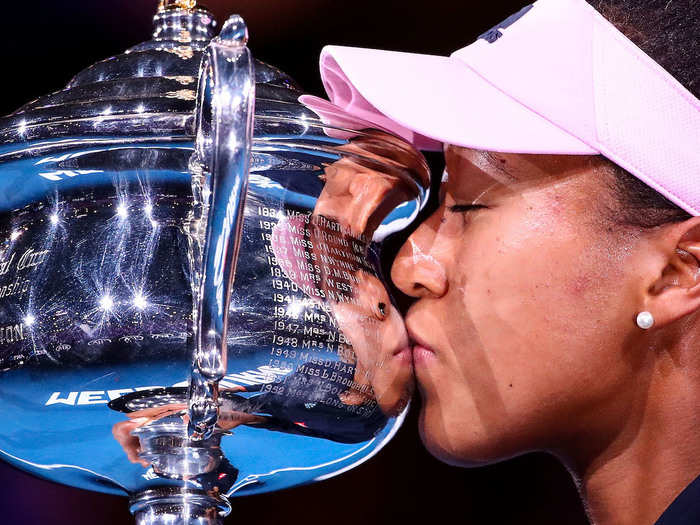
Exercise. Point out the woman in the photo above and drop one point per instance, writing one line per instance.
(557, 286)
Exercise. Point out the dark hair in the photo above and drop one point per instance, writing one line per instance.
(667, 31)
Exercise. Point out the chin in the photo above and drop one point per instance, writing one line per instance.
(458, 443)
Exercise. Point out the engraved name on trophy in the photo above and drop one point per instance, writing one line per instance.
(192, 305)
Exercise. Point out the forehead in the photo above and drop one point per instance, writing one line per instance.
(477, 171)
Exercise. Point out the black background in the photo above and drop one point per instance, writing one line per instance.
(45, 43)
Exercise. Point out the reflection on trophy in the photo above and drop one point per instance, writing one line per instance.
(192, 305)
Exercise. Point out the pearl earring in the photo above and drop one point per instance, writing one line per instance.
(645, 320)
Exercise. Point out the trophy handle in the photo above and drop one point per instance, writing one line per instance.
(224, 132)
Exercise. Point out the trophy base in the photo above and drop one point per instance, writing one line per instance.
(178, 506)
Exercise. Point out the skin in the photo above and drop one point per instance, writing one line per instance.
(525, 334)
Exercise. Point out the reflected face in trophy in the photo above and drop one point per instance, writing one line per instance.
(355, 199)
(379, 345)
(523, 299)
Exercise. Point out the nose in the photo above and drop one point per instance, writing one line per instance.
(419, 270)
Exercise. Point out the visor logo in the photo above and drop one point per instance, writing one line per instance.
(494, 33)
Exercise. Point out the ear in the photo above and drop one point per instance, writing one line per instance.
(676, 293)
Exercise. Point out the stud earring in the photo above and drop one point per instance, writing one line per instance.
(645, 320)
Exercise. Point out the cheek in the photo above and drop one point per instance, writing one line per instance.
(535, 272)
(533, 326)
(542, 307)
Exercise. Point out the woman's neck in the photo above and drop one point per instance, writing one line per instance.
(651, 459)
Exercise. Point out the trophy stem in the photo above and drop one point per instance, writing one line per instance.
(174, 506)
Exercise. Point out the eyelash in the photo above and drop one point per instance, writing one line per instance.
(462, 208)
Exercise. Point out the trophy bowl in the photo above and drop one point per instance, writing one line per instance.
(192, 305)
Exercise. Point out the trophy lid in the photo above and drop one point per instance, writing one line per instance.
(149, 90)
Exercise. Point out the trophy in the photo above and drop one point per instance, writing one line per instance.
(192, 301)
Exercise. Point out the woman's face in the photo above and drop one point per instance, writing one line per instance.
(526, 298)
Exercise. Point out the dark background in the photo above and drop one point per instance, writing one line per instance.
(45, 43)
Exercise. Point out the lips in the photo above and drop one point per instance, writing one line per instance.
(421, 351)
(422, 355)
(403, 353)
(418, 341)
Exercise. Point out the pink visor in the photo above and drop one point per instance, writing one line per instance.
(555, 77)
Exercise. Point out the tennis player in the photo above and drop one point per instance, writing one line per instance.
(557, 286)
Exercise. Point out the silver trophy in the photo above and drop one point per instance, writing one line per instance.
(192, 302)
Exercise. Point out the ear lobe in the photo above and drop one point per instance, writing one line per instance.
(677, 291)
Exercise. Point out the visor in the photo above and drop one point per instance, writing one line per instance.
(554, 78)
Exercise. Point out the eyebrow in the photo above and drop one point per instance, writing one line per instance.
(489, 165)
(503, 176)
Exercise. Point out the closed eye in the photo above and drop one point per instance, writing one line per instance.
(461, 208)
